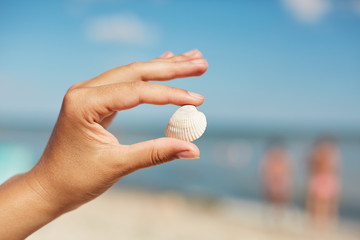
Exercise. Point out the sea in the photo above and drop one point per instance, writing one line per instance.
(229, 165)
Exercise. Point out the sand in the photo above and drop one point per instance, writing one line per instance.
(135, 215)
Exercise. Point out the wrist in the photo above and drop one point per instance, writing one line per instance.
(47, 188)
(23, 209)
(45, 200)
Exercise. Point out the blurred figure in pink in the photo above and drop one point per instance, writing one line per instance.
(277, 176)
(323, 185)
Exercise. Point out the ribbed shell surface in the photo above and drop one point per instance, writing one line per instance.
(187, 123)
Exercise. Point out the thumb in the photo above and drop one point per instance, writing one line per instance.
(155, 152)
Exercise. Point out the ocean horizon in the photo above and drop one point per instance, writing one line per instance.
(228, 166)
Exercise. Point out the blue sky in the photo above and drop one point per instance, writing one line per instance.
(293, 62)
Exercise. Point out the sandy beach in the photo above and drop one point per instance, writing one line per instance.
(136, 214)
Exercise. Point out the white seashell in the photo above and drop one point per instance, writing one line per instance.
(187, 123)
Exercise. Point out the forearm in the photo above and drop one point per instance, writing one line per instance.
(22, 209)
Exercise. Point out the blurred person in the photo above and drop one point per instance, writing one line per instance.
(277, 180)
(82, 159)
(323, 183)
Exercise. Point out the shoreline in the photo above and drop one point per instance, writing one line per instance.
(140, 214)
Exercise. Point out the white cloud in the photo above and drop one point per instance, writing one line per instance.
(308, 11)
(123, 29)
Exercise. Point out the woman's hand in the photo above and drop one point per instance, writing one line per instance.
(82, 159)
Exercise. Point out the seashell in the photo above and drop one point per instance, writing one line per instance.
(187, 123)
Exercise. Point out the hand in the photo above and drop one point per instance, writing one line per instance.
(82, 159)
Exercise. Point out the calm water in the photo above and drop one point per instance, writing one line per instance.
(228, 167)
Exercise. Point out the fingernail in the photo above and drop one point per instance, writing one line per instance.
(196, 95)
(199, 61)
(187, 155)
(190, 53)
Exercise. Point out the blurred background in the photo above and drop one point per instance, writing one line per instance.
(281, 155)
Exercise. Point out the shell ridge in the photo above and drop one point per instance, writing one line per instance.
(187, 123)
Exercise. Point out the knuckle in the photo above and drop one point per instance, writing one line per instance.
(180, 57)
(174, 69)
(135, 66)
(136, 85)
(70, 96)
(171, 71)
(75, 86)
(135, 89)
(156, 156)
(71, 101)
(174, 92)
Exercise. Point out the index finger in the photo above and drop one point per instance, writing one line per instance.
(121, 96)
